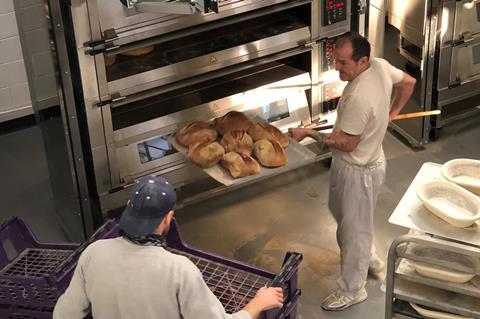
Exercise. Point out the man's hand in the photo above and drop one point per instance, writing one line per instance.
(298, 134)
(265, 299)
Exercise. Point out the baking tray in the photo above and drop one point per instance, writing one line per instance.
(297, 154)
(411, 213)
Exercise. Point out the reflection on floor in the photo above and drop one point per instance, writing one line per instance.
(257, 224)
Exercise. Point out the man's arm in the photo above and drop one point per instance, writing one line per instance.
(403, 92)
(74, 304)
(342, 141)
(197, 301)
(338, 140)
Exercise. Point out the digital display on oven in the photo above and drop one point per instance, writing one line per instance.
(154, 149)
(274, 111)
(334, 11)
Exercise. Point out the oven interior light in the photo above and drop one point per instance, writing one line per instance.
(469, 4)
(444, 23)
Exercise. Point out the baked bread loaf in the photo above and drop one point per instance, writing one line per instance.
(139, 51)
(240, 165)
(267, 131)
(232, 121)
(237, 141)
(205, 153)
(195, 132)
(270, 153)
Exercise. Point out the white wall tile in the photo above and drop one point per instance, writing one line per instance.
(6, 6)
(5, 100)
(38, 40)
(8, 25)
(42, 64)
(3, 76)
(45, 87)
(32, 18)
(10, 49)
(28, 3)
(15, 72)
(20, 95)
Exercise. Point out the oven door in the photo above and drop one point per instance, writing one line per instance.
(207, 50)
(459, 72)
(467, 19)
(119, 28)
(143, 148)
(409, 18)
(465, 62)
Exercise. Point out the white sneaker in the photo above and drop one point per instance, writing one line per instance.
(376, 267)
(339, 299)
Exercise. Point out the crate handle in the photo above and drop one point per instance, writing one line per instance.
(290, 305)
(288, 269)
(9, 249)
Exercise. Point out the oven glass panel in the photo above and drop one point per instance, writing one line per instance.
(476, 54)
(209, 42)
(154, 149)
(274, 111)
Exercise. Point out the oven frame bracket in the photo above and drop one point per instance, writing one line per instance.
(185, 7)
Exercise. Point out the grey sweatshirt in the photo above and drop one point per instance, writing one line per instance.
(117, 279)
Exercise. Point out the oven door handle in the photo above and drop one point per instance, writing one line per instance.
(186, 7)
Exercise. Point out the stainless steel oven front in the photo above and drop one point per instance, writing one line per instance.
(143, 76)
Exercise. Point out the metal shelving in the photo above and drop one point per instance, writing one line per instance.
(405, 285)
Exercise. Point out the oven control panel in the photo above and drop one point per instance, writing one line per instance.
(331, 95)
(328, 60)
(334, 11)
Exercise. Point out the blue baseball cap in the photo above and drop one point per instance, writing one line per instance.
(151, 199)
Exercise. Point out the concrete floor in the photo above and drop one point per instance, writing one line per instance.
(259, 223)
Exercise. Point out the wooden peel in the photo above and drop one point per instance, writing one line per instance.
(415, 114)
(398, 117)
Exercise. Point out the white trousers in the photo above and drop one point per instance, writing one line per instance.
(352, 199)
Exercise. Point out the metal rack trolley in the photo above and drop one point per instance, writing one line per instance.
(404, 285)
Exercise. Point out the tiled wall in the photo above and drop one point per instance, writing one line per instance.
(33, 28)
(14, 91)
(27, 70)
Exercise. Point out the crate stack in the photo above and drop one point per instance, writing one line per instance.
(33, 275)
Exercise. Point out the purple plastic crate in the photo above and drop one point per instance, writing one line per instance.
(235, 283)
(35, 274)
(29, 289)
(25, 312)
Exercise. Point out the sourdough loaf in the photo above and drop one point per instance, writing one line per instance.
(240, 165)
(270, 153)
(267, 131)
(237, 141)
(195, 132)
(232, 121)
(205, 153)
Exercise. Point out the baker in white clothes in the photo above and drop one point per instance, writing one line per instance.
(133, 276)
(358, 163)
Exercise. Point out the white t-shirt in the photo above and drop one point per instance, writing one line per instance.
(363, 110)
(117, 279)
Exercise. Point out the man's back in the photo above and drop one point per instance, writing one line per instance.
(121, 279)
(364, 108)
